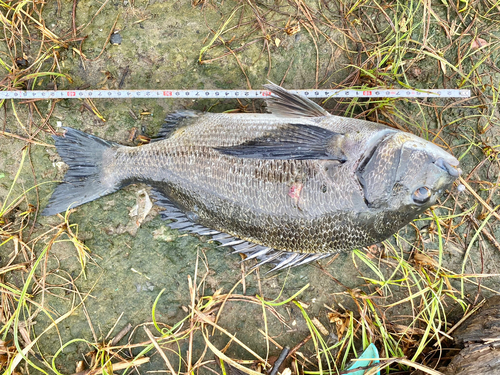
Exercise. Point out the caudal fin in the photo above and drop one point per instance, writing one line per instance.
(83, 181)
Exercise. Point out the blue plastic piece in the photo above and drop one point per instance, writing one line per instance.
(370, 352)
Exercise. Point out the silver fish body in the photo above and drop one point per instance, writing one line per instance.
(296, 181)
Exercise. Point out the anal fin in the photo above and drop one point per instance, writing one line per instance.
(181, 219)
(265, 255)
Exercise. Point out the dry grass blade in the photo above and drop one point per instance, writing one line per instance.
(481, 200)
(125, 365)
(208, 321)
(387, 362)
(221, 355)
(160, 351)
(463, 319)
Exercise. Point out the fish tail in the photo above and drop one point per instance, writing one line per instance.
(84, 181)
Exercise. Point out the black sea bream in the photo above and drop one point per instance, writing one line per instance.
(288, 187)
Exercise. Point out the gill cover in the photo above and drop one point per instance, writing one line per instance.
(404, 168)
(377, 169)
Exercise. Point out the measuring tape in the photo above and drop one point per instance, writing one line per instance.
(230, 94)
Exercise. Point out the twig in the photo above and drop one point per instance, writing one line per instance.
(6, 133)
(73, 17)
(95, 15)
(112, 30)
(485, 231)
(120, 334)
(299, 345)
(241, 67)
(486, 205)
(284, 353)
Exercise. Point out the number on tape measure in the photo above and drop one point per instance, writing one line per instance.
(350, 93)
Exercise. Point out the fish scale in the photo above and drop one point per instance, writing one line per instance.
(308, 183)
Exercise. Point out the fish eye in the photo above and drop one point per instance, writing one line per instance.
(421, 195)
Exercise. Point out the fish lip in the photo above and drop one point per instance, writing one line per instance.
(451, 168)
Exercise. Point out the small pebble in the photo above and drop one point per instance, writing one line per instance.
(116, 39)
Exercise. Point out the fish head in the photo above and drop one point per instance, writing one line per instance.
(404, 172)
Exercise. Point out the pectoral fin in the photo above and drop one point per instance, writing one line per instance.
(291, 142)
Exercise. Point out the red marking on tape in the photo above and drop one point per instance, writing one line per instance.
(167, 93)
(367, 93)
(71, 93)
(266, 93)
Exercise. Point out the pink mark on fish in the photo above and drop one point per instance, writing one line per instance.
(294, 192)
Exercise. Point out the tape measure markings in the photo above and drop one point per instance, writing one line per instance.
(229, 94)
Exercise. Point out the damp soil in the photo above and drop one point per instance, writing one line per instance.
(157, 44)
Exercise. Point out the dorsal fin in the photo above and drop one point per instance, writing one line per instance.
(283, 103)
(174, 121)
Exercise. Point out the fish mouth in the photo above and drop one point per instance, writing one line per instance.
(451, 168)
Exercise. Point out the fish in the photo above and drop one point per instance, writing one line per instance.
(287, 187)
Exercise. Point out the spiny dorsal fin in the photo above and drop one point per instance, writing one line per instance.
(174, 121)
(286, 104)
